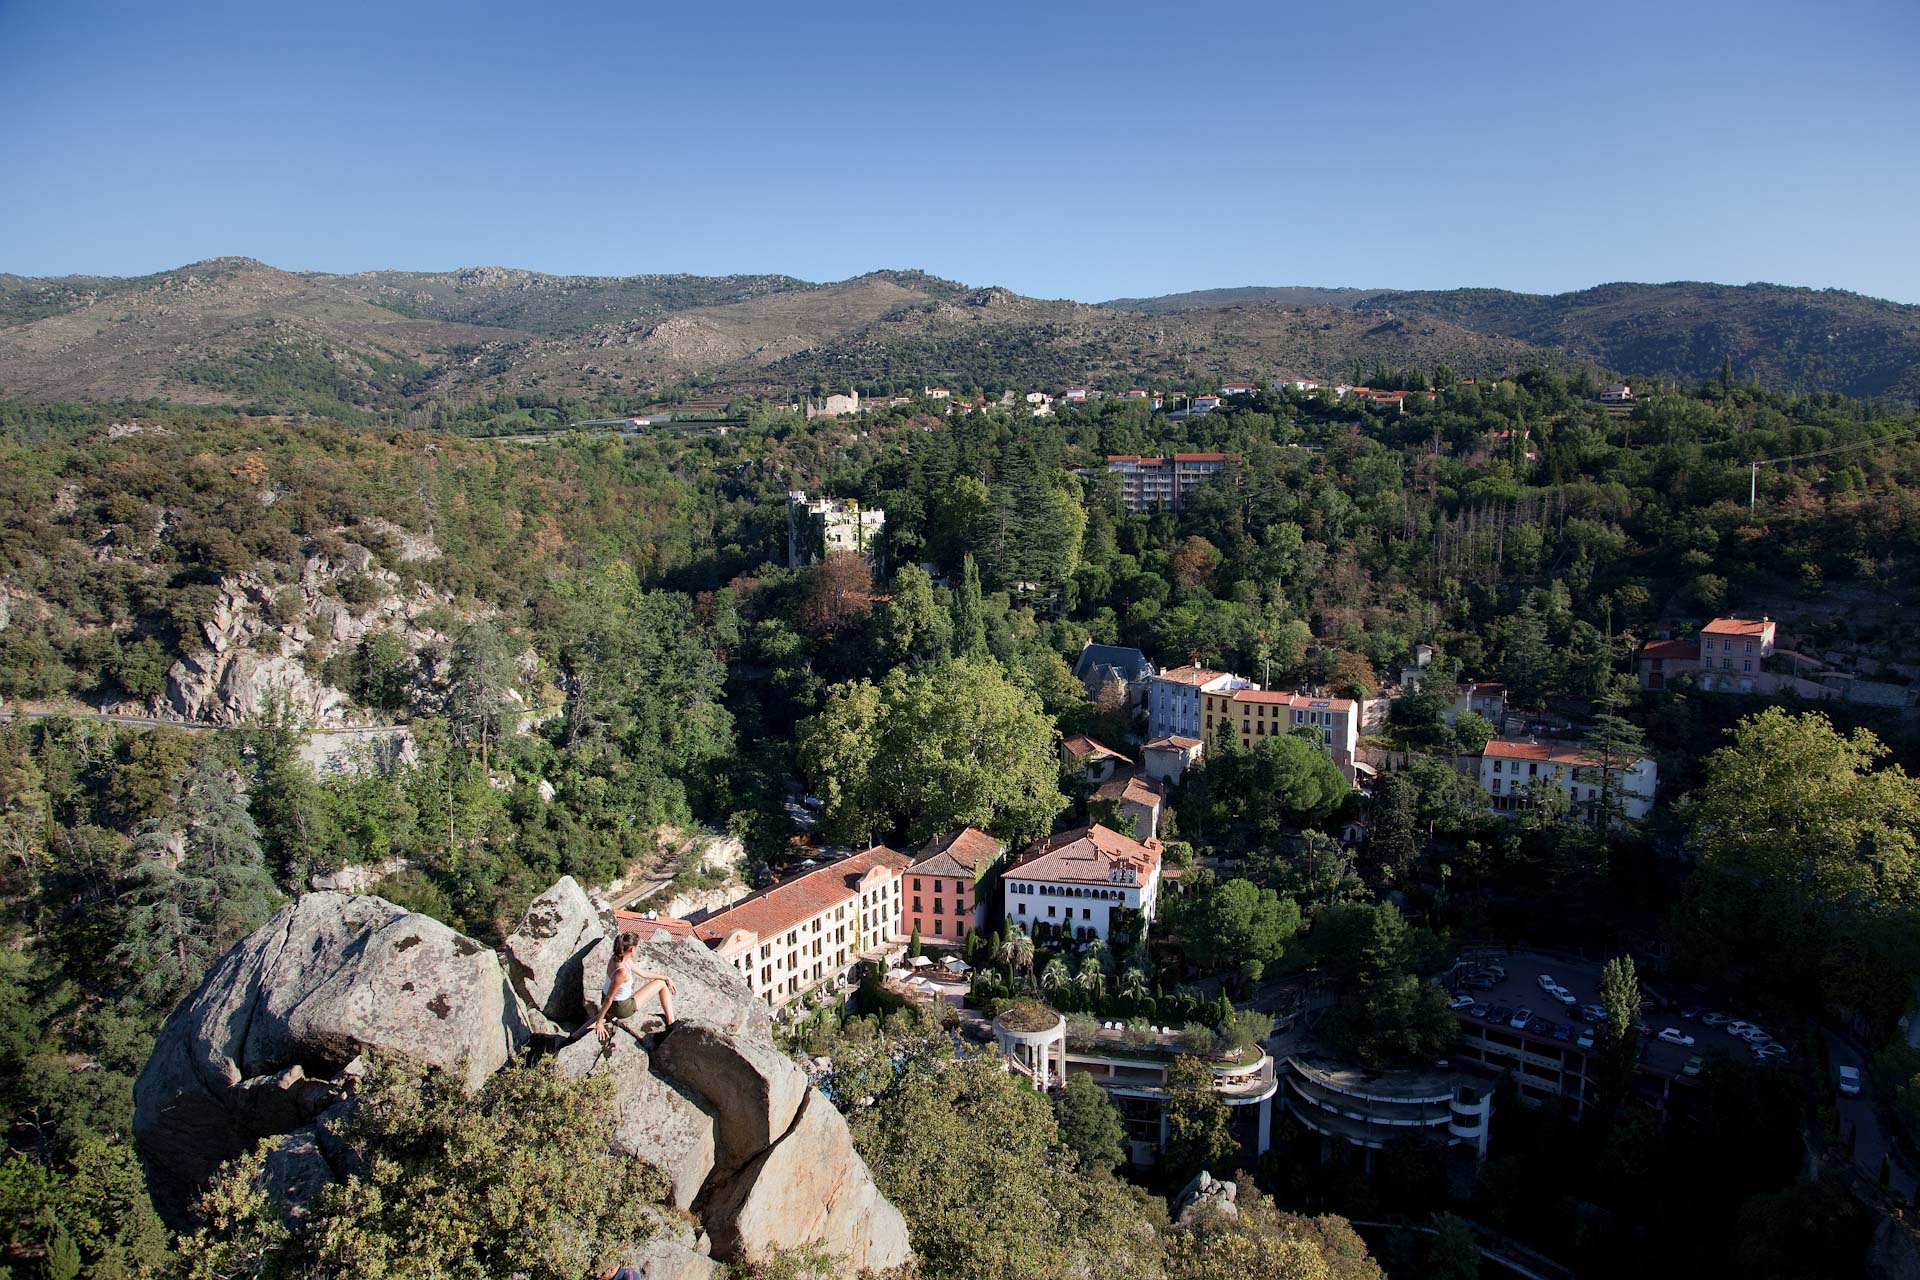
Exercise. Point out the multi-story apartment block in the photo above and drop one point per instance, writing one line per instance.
(1076, 880)
(1165, 484)
(950, 886)
(1511, 771)
(819, 527)
(1174, 698)
(1252, 714)
(811, 930)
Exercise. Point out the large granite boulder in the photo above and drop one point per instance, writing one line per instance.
(812, 1190)
(659, 1122)
(706, 988)
(271, 1045)
(753, 1088)
(544, 954)
(254, 1051)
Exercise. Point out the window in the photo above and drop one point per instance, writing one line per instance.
(1023, 908)
(1086, 913)
(1747, 665)
(1496, 765)
(1049, 911)
(1496, 786)
(916, 884)
(1749, 648)
(938, 927)
(916, 904)
(939, 909)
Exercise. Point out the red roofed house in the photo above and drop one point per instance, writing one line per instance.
(811, 930)
(652, 928)
(1727, 654)
(1095, 761)
(1483, 698)
(948, 889)
(1077, 880)
(1509, 771)
(1139, 798)
(1237, 389)
(1660, 660)
(1253, 714)
(1169, 758)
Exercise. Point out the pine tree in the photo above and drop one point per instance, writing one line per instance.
(199, 884)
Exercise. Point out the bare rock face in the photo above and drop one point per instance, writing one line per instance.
(270, 1045)
(256, 1049)
(544, 954)
(755, 1089)
(811, 1189)
(667, 1126)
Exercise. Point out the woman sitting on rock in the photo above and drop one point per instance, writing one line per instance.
(626, 986)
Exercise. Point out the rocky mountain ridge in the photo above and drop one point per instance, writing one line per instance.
(235, 331)
(274, 1040)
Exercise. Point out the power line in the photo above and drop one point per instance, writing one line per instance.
(1753, 484)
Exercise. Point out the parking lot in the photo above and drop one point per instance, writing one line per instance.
(1553, 1021)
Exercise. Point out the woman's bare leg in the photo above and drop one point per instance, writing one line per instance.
(657, 987)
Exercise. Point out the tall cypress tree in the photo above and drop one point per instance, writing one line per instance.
(969, 614)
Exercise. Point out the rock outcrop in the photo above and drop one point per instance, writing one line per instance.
(544, 954)
(272, 1042)
(260, 1047)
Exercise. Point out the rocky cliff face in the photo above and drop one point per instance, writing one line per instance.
(274, 1040)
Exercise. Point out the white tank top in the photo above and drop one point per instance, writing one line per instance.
(622, 992)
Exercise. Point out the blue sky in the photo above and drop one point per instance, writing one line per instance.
(1059, 149)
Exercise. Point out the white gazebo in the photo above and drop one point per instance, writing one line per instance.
(1033, 1037)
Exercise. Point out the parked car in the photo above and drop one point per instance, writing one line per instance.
(1849, 1082)
(1499, 1013)
(1689, 1013)
(1460, 1002)
(1739, 1028)
(1754, 1035)
(1769, 1051)
(1563, 1031)
(1694, 1066)
(1674, 1035)
(1565, 997)
(812, 801)
(1479, 1010)
(1716, 1018)
(1521, 1017)
(1593, 1013)
(1546, 982)
(1540, 1027)
(1586, 1038)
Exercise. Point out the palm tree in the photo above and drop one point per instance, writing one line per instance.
(1016, 953)
(1091, 978)
(1055, 975)
(1134, 983)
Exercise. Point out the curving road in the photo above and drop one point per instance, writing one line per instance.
(1871, 1141)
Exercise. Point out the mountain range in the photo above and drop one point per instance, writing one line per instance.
(236, 331)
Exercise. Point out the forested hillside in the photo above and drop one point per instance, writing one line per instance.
(595, 647)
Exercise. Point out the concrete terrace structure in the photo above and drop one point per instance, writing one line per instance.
(819, 527)
(1077, 880)
(1252, 714)
(1509, 771)
(1165, 484)
(948, 886)
(1135, 1078)
(811, 930)
(1174, 699)
(1373, 1110)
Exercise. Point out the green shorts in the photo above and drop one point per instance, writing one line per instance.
(624, 1008)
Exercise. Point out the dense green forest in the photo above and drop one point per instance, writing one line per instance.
(595, 646)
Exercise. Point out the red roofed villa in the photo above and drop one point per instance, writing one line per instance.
(1077, 880)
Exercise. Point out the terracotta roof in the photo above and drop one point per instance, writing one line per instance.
(652, 928)
(1173, 742)
(1191, 674)
(1133, 788)
(1272, 697)
(1080, 747)
(1206, 457)
(1558, 752)
(1669, 649)
(784, 906)
(958, 853)
(1085, 856)
(1737, 627)
(1486, 686)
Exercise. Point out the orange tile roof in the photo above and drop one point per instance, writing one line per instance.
(1737, 627)
(785, 906)
(1271, 697)
(1174, 742)
(1669, 649)
(1132, 788)
(958, 853)
(1080, 747)
(1191, 674)
(1557, 752)
(652, 928)
(1206, 457)
(1085, 856)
